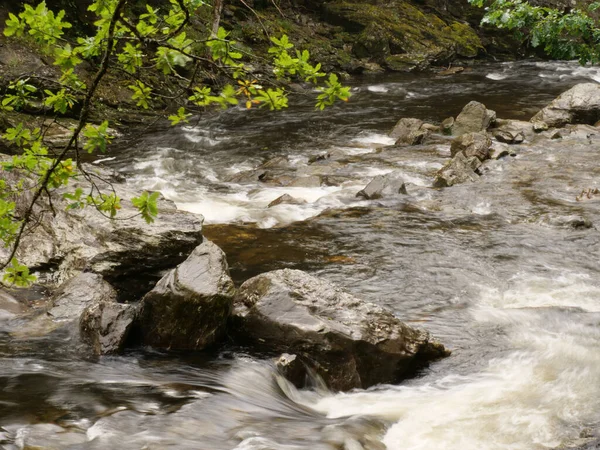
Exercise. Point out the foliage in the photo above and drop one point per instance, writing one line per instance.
(162, 61)
(571, 34)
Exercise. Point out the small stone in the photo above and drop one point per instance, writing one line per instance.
(539, 126)
(287, 200)
(384, 186)
(447, 125)
(472, 144)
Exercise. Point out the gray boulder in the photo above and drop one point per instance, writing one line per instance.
(580, 104)
(188, 308)
(387, 185)
(409, 131)
(472, 144)
(68, 304)
(459, 170)
(70, 241)
(105, 326)
(348, 342)
(474, 117)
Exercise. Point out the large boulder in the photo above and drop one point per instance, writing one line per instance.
(472, 144)
(580, 104)
(350, 343)
(69, 241)
(458, 170)
(474, 117)
(189, 307)
(387, 185)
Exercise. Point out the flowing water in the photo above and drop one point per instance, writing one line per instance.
(503, 271)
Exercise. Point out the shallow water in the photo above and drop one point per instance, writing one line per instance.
(503, 271)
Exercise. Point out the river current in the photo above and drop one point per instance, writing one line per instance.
(503, 271)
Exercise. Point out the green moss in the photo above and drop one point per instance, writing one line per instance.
(400, 27)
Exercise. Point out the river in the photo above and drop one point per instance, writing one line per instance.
(504, 272)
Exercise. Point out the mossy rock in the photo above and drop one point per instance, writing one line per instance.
(402, 28)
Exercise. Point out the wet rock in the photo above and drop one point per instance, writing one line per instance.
(9, 306)
(188, 307)
(507, 137)
(447, 125)
(279, 162)
(451, 71)
(105, 326)
(474, 117)
(459, 170)
(539, 126)
(314, 158)
(287, 200)
(248, 176)
(74, 240)
(350, 343)
(292, 369)
(409, 131)
(580, 104)
(307, 182)
(502, 152)
(573, 221)
(387, 185)
(75, 295)
(472, 144)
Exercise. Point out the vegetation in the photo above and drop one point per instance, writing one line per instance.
(562, 34)
(153, 49)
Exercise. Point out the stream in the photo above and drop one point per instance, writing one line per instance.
(504, 272)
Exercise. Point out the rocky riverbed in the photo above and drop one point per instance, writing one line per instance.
(469, 222)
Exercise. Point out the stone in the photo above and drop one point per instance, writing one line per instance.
(105, 326)
(68, 304)
(408, 131)
(86, 289)
(292, 369)
(472, 144)
(458, 170)
(507, 137)
(307, 182)
(539, 126)
(188, 308)
(75, 240)
(387, 185)
(580, 104)
(286, 199)
(248, 176)
(350, 343)
(474, 117)
(447, 125)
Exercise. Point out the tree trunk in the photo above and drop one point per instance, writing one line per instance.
(217, 9)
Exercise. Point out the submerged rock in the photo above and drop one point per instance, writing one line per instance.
(383, 186)
(580, 104)
(459, 170)
(286, 199)
(189, 307)
(474, 117)
(472, 144)
(350, 343)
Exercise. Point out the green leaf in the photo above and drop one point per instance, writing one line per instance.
(18, 274)
(147, 205)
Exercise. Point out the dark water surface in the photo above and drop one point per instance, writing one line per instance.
(503, 271)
